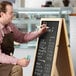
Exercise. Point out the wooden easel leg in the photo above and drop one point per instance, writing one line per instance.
(56, 72)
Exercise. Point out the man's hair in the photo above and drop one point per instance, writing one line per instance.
(3, 5)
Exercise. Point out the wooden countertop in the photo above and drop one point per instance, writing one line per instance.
(73, 14)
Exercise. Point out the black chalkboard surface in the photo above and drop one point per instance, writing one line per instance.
(47, 50)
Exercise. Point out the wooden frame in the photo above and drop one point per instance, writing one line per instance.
(61, 57)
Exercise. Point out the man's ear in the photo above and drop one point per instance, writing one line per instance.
(1, 14)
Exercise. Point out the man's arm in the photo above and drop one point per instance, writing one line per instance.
(12, 60)
(7, 59)
(28, 36)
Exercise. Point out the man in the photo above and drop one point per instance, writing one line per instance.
(9, 65)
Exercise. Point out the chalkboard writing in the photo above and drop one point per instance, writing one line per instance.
(45, 50)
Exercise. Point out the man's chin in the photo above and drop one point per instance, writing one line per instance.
(8, 22)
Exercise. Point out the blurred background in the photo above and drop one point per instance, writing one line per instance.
(27, 15)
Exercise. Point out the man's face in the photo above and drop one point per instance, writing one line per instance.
(8, 15)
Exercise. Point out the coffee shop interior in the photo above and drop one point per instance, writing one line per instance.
(27, 16)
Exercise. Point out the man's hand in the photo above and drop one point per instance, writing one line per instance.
(23, 62)
(43, 29)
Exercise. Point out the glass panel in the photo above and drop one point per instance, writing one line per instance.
(28, 20)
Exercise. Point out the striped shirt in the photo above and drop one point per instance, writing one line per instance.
(18, 37)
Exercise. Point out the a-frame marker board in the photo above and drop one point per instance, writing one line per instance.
(53, 57)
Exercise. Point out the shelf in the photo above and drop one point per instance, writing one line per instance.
(27, 19)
